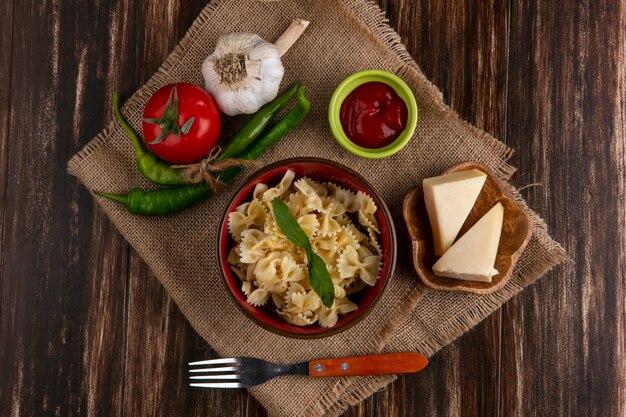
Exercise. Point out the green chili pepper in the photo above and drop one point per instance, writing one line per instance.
(256, 125)
(272, 134)
(282, 128)
(173, 200)
(163, 201)
(151, 167)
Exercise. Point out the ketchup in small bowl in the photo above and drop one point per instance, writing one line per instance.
(373, 115)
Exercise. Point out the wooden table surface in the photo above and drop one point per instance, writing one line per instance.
(86, 329)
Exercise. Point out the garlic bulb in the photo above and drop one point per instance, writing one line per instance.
(244, 72)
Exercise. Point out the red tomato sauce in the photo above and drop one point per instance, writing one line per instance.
(373, 115)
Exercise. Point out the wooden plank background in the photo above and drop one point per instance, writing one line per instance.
(86, 329)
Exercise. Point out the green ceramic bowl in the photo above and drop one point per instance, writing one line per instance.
(346, 87)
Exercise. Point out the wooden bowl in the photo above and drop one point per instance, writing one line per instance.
(516, 232)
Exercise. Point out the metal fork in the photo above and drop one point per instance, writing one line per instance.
(247, 372)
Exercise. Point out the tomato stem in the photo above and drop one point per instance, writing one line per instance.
(168, 122)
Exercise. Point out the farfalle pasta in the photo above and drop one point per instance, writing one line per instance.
(343, 231)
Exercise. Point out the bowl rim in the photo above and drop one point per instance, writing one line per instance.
(362, 77)
(331, 331)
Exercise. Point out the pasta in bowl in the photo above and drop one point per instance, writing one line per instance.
(348, 226)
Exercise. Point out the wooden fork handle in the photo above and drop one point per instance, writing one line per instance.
(383, 364)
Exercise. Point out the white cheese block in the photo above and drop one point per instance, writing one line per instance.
(472, 257)
(449, 199)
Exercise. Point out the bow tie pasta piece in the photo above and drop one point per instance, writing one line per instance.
(270, 227)
(317, 198)
(305, 303)
(282, 187)
(245, 216)
(339, 283)
(275, 243)
(328, 225)
(370, 269)
(335, 208)
(328, 317)
(309, 224)
(259, 190)
(326, 247)
(297, 204)
(274, 285)
(298, 319)
(313, 199)
(238, 221)
(290, 271)
(251, 246)
(300, 305)
(347, 198)
(349, 264)
(258, 297)
(305, 186)
(367, 208)
(265, 271)
(294, 288)
(346, 238)
(319, 188)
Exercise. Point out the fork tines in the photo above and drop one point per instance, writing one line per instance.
(226, 373)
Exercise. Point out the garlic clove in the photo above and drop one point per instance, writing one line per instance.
(242, 101)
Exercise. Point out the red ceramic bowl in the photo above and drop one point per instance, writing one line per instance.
(321, 170)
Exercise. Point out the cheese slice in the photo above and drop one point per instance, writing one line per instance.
(472, 257)
(449, 199)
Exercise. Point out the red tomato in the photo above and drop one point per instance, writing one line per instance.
(181, 123)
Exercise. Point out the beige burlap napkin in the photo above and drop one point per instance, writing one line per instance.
(344, 37)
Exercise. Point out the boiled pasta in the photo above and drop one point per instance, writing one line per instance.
(343, 231)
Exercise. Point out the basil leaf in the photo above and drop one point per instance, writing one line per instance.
(318, 273)
(289, 225)
(320, 278)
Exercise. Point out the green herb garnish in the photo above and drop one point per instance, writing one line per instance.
(289, 225)
(320, 278)
(318, 273)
